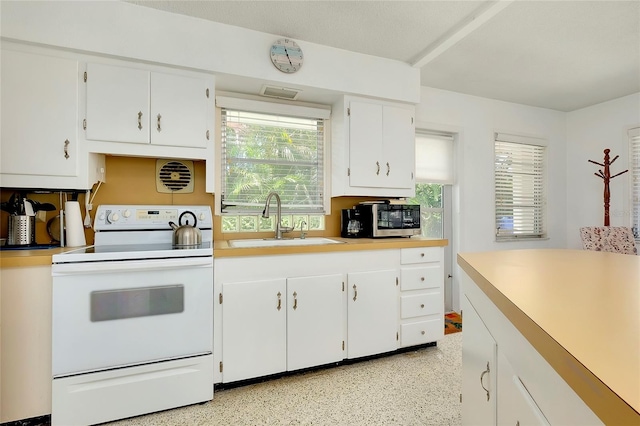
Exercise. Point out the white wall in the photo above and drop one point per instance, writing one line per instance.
(129, 31)
(476, 119)
(590, 131)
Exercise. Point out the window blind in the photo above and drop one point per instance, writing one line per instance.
(634, 166)
(434, 158)
(266, 152)
(519, 189)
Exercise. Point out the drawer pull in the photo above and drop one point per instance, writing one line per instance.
(482, 383)
(422, 332)
(421, 278)
(421, 254)
(422, 305)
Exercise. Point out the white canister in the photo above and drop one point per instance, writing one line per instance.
(74, 230)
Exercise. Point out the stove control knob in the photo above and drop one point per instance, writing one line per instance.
(126, 213)
(202, 217)
(101, 217)
(114, 217)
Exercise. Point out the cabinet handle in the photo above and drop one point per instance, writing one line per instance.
(421, 278)
(66, 148)
(421, 305)
(279, 301)
(159, 127)
(207, 135)
(139, 120)
(422, 332)
(355, 292)
(421, 254)
(295, 300)
(378, 166)
(482, 383)
(388, 169)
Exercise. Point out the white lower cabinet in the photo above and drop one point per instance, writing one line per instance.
(421, 295)
(254, 329)
(478, 370)
(290, 312)
(517, 406)
(314, 321)
(280, 325)
(372, 313)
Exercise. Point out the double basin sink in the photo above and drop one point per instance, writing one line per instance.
(272, 242)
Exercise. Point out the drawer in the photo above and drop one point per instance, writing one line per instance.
(421, 304)
(419, 277)
(420, 255)
(417, 333)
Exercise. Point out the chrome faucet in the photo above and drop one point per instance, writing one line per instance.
(265, 213)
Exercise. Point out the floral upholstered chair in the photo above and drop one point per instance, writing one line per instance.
(615, 239)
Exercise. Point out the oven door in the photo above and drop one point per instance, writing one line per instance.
(122, 313)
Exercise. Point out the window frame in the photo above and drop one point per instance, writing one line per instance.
(540, 211)
(254, 104)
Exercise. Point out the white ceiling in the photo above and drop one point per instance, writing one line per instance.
(562, 55)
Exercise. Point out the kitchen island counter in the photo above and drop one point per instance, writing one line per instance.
(581, 311)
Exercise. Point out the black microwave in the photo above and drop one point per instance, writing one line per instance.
(377, 220)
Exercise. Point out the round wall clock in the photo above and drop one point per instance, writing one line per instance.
(286, 55)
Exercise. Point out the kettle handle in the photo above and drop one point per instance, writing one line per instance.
(195, 220)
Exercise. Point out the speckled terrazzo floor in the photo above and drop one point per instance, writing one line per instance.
(420, 387)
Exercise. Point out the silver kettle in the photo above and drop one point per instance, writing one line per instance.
(186, 236)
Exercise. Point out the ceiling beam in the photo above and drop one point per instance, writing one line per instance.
(460, 31)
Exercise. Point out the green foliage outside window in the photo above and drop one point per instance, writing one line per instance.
(429, 197)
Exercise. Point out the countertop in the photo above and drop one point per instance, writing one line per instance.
(581, 311)
(24, 258)
(222, 248)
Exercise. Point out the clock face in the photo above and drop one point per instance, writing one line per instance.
(286, 55)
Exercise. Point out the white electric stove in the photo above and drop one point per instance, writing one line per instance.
(133, 317)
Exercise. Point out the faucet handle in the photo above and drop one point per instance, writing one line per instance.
(302, 233)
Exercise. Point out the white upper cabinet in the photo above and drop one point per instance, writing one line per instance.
(146, 107)
(117, 104)
(39, 136)
(39, 114)
(373, 148)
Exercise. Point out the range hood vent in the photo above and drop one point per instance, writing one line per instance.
(280, 92)
(174, 176)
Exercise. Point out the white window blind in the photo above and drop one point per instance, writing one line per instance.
(264, 152)
(634, 166)
(434, 158)
(519, 187)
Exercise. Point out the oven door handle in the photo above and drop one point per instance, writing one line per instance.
(111, 267)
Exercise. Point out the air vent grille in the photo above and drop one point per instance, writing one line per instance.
(280, 92)
(174, 176)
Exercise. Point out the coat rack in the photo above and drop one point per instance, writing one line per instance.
(606, 176)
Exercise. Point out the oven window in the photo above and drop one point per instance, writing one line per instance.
(136, 302)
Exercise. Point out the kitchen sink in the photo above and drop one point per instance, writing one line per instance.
(272, 242)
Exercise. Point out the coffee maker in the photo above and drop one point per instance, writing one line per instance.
(352, 224)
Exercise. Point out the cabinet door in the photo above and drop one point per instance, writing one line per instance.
(178, 110)
(314, 321)
(478, 370)
(516, 406)
(254, 325)
(39, 115)
(372, 313)
(117, 104)
(365, 144)
(398, 148)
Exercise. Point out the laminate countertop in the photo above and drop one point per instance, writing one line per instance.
(25, 258)
(581, 311)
